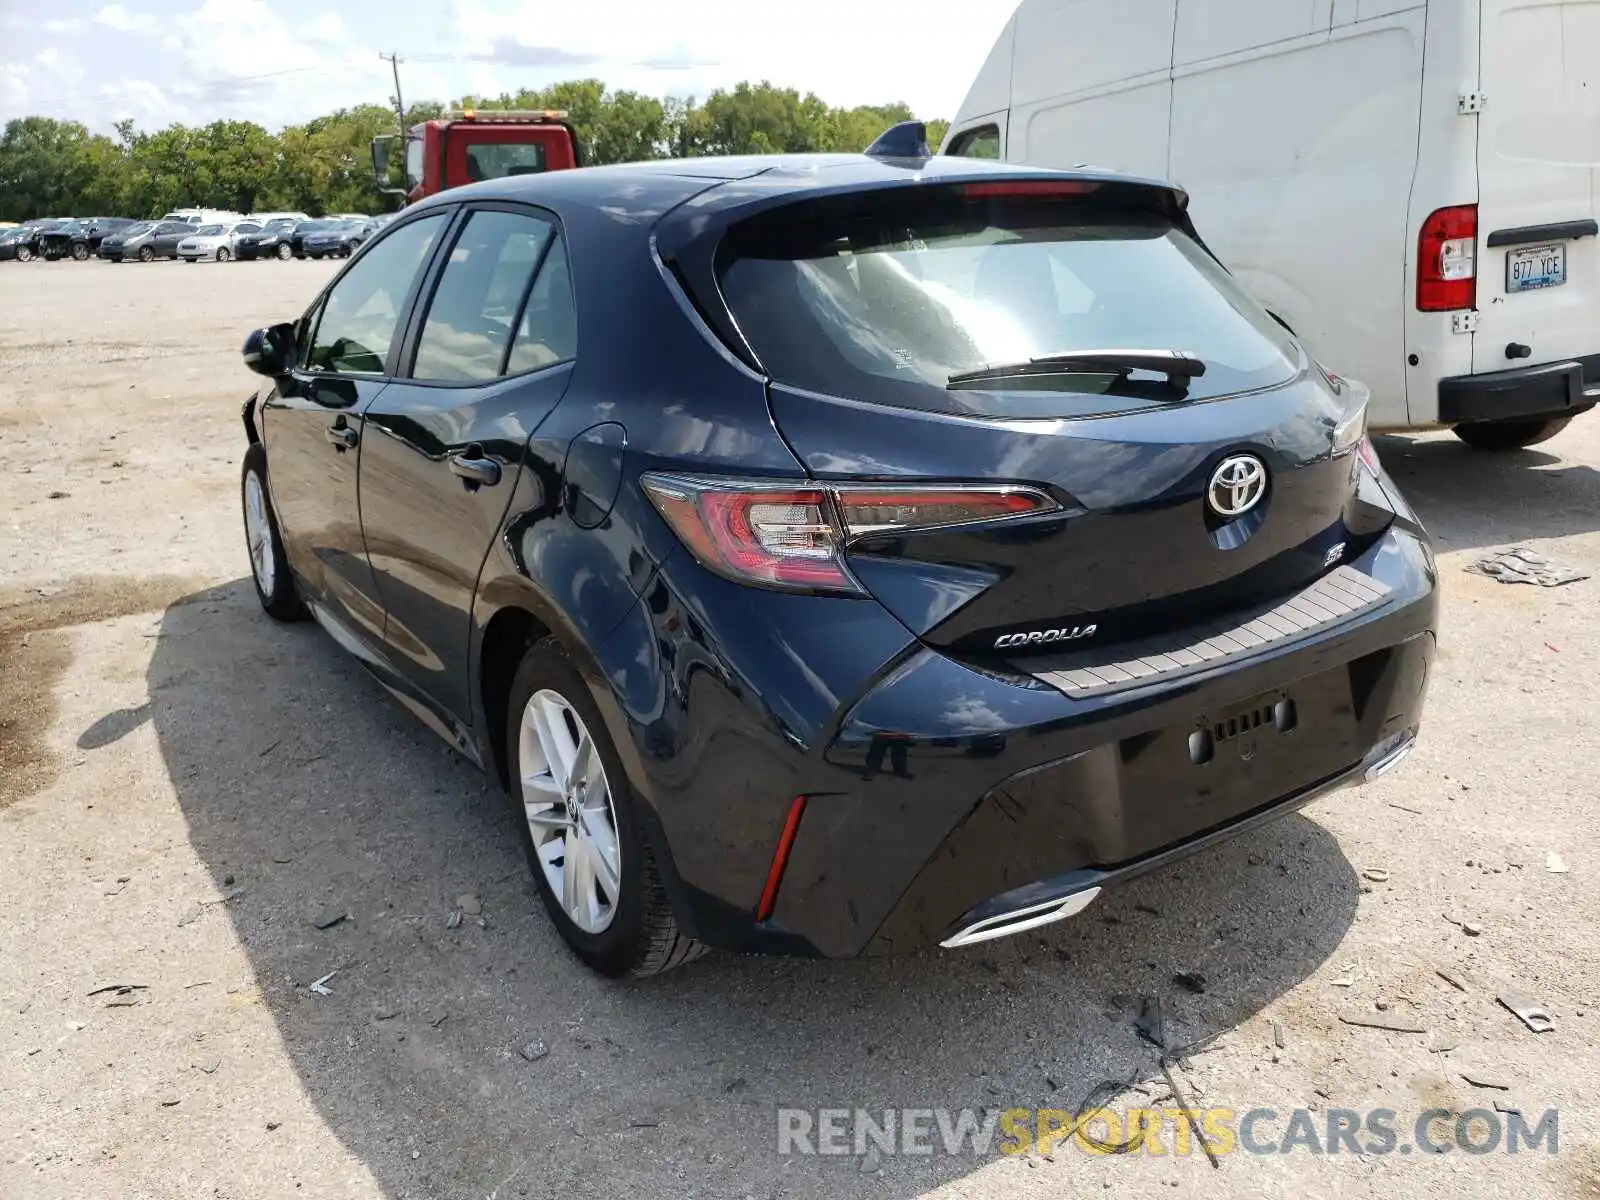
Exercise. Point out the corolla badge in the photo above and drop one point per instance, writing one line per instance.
(1044, 637)
(1237, 485)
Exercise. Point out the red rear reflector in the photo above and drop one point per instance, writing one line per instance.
(780, 859)
(1027, 187)
(1447, 260)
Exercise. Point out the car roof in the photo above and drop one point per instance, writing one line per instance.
(780, 174)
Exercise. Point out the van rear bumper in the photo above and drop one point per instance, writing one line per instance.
(1557, 389)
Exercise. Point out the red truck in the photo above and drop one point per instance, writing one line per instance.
(468, 145)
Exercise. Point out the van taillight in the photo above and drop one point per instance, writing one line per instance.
(1447, 260)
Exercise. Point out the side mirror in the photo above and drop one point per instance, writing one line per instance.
(269, 351)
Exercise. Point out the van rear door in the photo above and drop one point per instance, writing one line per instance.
(1538, 172)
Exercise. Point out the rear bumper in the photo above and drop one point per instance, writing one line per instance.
(946, 795)
(1555, 389)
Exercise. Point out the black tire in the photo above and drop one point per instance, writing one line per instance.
(24, 254)
(282, 602)
(80, 252)
(643, 938)
(223, 254)
(285, 253)
(1509, 435)
(146, 254)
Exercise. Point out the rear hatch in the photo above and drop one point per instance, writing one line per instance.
(939, 335)
(1538, 166)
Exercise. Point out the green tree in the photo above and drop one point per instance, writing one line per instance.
(51, 168)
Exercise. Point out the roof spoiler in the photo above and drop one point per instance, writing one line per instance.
(908, 139)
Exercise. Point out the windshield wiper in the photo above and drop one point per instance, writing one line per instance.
(1177, 366)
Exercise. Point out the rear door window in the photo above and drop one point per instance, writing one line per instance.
(885, 296)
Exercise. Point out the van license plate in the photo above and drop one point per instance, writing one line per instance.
(1531, 267)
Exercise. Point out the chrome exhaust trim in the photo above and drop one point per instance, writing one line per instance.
(1389, 755)
(1022, 919)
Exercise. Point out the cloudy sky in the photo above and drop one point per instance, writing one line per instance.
(159, 61)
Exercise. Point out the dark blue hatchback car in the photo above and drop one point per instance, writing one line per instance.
(837, 555)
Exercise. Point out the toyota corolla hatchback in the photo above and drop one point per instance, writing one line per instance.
(838, 555)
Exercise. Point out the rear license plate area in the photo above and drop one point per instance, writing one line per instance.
(1534, 268)
(1229, 762)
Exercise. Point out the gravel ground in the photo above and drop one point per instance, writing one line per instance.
(187, 791)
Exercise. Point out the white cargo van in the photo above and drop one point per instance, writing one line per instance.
(1410, 185)
(203, 216)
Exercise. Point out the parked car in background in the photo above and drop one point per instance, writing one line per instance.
(21, 244)
(112, 246)
(102, 227)
(64, 239)
(214, 242)
(274, 240)
(298, 236)
(340, 239)
(164, 242)
(876, 575)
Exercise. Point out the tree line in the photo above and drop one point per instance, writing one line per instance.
(60, 168)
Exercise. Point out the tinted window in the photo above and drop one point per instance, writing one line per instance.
(884, 298)
(496, 160)
(363, 308)
(473, 311)
(173, 227)
(247, 227)
(548, 331)
(977, 143)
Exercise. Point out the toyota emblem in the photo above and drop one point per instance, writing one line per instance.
(1237, 485)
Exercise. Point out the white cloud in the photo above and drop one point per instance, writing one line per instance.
(114, 16)
(847, 51)
(247, 59)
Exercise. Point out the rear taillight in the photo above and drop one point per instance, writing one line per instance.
(793, 537)
(1447, 260)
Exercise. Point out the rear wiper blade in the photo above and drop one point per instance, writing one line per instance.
(1178, 366)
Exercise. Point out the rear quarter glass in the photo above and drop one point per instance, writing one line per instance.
(883, 296)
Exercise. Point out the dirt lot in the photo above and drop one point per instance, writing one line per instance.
(188, 791)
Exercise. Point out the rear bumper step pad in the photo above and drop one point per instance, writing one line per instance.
(1336, 597)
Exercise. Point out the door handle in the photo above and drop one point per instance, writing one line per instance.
(343, 437)
(474, 469)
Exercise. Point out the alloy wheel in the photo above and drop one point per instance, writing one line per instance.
(222, 254)
(258, 534)
(566, 799)
(24, 254)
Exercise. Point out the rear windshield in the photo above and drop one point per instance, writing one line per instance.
(208, 231)
(884, 297)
